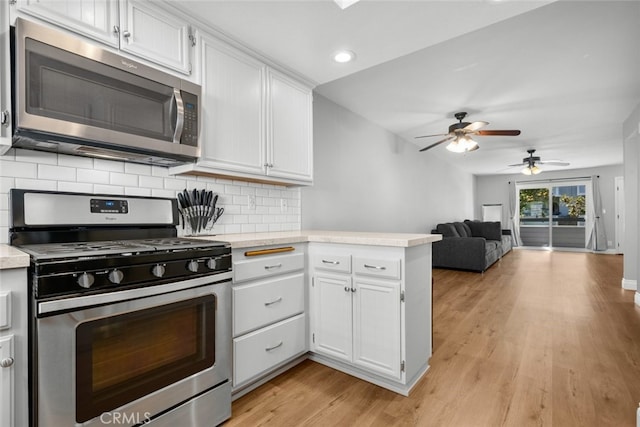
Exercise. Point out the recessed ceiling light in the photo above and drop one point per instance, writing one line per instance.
(343, 56)
(345, 3)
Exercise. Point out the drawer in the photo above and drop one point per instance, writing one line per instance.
(264, 349)
(265, 266)
(264, 302)
(383, 268)
(338, 263)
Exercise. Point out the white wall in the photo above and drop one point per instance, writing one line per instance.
(494, 189)
(631, 135)
(57, 172)
(368, 179)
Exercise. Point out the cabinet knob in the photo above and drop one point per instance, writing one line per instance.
(347, 289)
(126, 34)
(353, 289)
(6, 362)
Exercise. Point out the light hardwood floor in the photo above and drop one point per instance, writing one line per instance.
(542, 338)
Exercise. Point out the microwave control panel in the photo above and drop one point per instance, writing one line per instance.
(190, 130)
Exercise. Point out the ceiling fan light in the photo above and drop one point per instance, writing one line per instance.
(470, 144)
(456, 146)
(531, 170)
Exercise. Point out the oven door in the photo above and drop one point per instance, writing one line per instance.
(129, 361)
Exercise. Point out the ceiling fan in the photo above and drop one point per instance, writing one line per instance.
(531, 163)
(460, 135)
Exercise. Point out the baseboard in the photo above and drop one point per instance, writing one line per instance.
(629, 284)
(637, 299)
(403, 389)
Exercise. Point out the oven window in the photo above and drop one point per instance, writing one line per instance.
(124, 357)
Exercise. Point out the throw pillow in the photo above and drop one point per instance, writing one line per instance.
(447, 230)
(462, 228)
(488, 230)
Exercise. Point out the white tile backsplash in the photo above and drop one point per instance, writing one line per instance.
(58, 172)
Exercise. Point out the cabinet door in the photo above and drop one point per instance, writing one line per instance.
(155, 34)
(290, 138)
(232, 108)
(96, 19)
(376, 325)
(6, 381)
(331, 311)
(5, 80)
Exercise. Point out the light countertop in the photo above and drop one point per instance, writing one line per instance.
(11, 257)
(246, 240)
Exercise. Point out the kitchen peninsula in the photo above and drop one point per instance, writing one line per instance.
(355, 301)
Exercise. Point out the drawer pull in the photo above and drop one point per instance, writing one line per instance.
(267, 304)
(269, 267)
(274, 347)
(269, 251)
(331, 262)
(376, 267)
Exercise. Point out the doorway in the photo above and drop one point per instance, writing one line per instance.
(553, 214)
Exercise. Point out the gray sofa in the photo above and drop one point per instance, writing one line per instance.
(470, 245)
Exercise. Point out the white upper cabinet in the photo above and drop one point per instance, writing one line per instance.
(154, 34)
(137, 27)
(289, 142)
(232, 108)
(5, 80)
(97, 19)
(257, 122)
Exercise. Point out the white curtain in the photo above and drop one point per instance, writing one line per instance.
(514, 214)
(597, 236)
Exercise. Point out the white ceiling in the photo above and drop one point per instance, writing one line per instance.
(566, 73)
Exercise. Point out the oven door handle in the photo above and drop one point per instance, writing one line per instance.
(47, 308)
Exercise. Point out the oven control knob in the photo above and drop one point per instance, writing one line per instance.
(192, 266)
(86, 280)
(212, 263)
(158, 270)
(116, 276)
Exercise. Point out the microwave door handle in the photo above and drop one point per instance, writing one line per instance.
(177, 115)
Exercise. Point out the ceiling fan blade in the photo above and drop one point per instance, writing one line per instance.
(498, 132)
(437, 143)
(517, 164)
(472, 127)
(554, 163)
(429, 136)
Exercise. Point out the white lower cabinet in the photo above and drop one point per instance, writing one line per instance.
(376, 326)
(259, 351)
(331, 308)
(7, 358)
(370, 311)
(269, 312)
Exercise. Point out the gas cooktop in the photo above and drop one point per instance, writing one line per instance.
(45, 251)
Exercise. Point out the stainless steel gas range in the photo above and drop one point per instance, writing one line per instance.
(128, 324)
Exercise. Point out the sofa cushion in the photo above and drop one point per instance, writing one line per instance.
(462, 229)
(488, 230)
(447, 230)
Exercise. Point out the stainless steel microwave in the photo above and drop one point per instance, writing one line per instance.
(74, 97)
